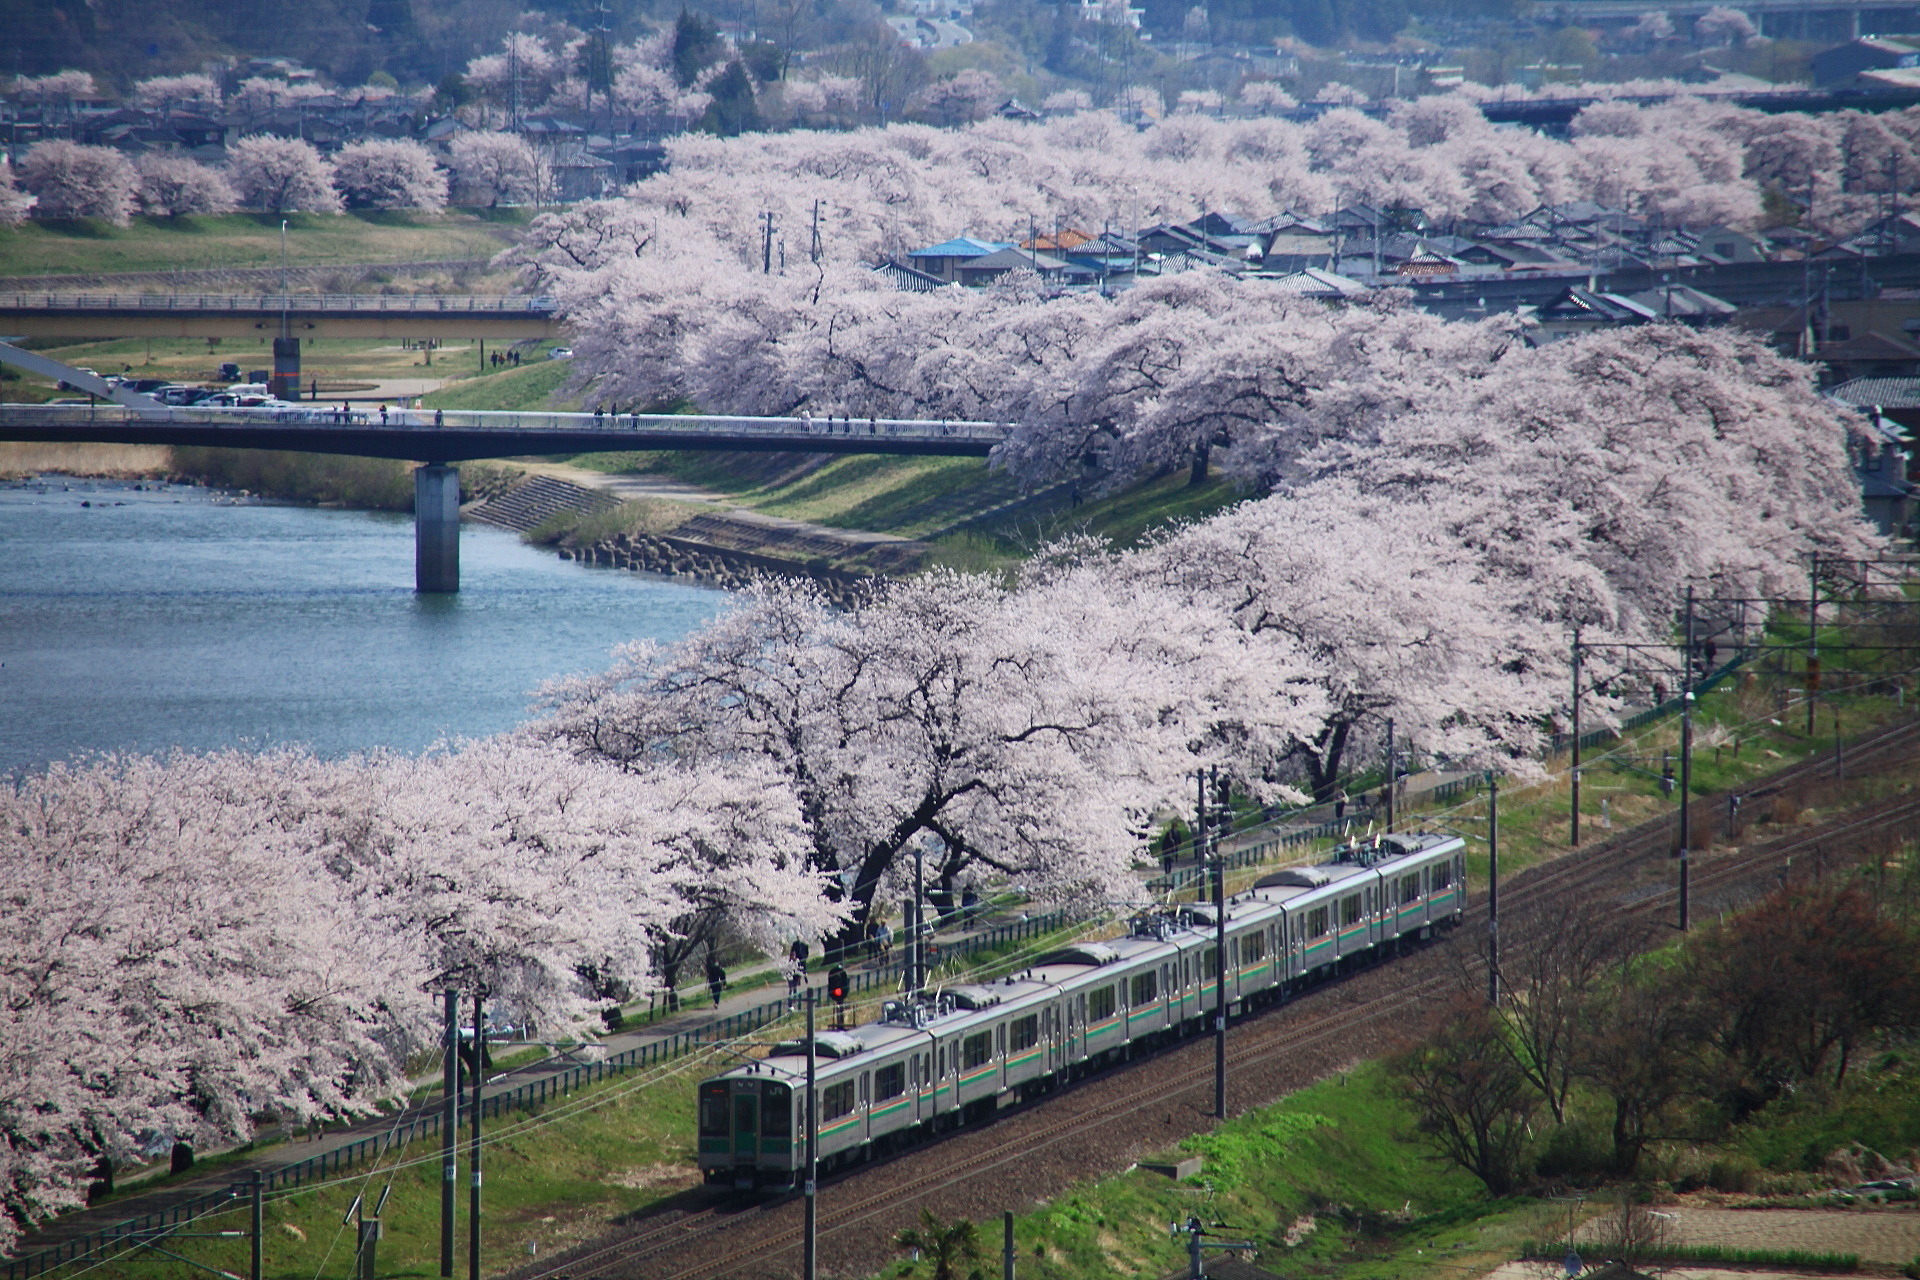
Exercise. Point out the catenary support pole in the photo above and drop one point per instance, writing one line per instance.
(1573, 837)
(1006, 1248)
(449, 1131)
(436, 528)
(473, 1160)
(1493, 888)
(1813, 638)
(1220, 978)
(810, 1234)
(1686, 765)
(256, 1198)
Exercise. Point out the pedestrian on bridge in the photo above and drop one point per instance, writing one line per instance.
(439, 417)
(383, 415)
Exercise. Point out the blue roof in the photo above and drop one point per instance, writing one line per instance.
(963, 247)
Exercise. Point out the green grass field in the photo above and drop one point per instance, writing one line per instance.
(213, 242)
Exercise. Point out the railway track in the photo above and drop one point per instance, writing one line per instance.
(740, 1238)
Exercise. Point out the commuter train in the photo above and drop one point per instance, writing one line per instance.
(942, 1058)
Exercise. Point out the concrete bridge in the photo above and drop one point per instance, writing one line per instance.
(439, 438)
(287, 318)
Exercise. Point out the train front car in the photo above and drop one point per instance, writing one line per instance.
(747, 1129)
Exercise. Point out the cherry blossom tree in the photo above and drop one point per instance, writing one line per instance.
(281, 175)
(15, 204)
(1721, 25)
(198, 939)
(74, 181)
(172, 185)
(1389, 613)
(1026, 731)
(167, 91)
(960, 99)
(1067, 100)
(60, 86)
(389, 173)
(494, 166)
(173, 962)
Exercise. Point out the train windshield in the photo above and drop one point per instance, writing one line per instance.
(713, 1110)
(775, 1110)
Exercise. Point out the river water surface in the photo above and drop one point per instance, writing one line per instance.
(144, 619)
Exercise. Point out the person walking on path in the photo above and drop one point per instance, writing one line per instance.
(1340, 804)
(716, 979)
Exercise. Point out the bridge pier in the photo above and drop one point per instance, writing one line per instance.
(436, 528)
(286, 368)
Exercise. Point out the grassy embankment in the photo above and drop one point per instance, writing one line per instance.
(214, 242)
(911, 497)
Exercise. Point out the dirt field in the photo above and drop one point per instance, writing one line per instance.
(1877, 1235)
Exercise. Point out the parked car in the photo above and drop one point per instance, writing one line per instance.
(559, 353)
(68, 386)
(229, 372)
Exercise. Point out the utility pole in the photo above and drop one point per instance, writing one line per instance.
(766, 245)
(1006, 1248)
(1493, 887)
(1686, 762)
(1574, 837)
(810, 1235)
(449, 1130)
(256, 1190)
(479, 1077)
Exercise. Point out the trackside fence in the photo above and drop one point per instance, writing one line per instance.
(531, 1095)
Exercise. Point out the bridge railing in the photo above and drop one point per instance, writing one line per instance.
(365, 303)
(358, 418)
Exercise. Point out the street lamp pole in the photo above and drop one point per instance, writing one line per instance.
(810, 1241)
(1219, 976)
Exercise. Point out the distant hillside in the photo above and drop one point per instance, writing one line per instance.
(416, 41)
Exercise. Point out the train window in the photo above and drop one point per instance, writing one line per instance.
(1317, 922)
(943, 1060)
(1409, 888)
(1000, 1034)
(1145, 987)
(776, 1109)
(713, 1111)
(1100, 1004)
(1350, 910)
(836, 1100)
(975, 1050)
(1442, 876)
(1253, 947)
(889, 1082)
(865, 1087)
(1026, 1033)
(1207, 963)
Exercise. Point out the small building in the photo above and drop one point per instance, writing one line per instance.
(1840, 64)
(943, 260)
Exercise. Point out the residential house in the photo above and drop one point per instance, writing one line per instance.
(943, 260)
(1842, 63)
(990, 267)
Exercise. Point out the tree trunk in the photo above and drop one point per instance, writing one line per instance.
(1199, 474)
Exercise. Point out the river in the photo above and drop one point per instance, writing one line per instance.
(141, 619)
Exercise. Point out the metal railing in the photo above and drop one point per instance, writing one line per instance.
(426, 1122)
(360, 419)
(367, 303)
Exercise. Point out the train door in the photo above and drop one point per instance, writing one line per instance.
(746, 1122)
(1076, 1027)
